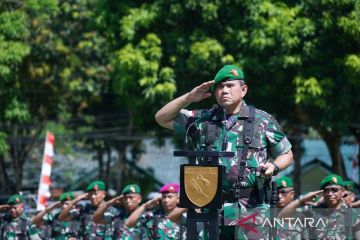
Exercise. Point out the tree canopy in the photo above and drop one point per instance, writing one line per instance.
(64, 60)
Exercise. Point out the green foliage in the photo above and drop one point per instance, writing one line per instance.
(139, 78)
(204, 55)
(4, 147)
(136, 19)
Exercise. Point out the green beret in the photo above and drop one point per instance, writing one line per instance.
(284, 182)
(131, 188)
(348, 185)
(15, 199)
(228, 73)
(67, 196)
(331, 179)
(96, 185)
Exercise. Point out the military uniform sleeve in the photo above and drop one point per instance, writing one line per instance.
(180, 121)
(32, 231)
(110, 215)
(278, 143)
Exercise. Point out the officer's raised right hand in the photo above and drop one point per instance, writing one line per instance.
(309, 198)
(200, 92)
(81, 197)
(4, 207)
(152, 203)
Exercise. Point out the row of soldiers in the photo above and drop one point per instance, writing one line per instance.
(160, 218)
(329, 213)
(122, 217)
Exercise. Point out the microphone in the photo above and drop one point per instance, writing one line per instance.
(205, 114)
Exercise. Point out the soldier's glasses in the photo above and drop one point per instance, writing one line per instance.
(331, 190)
(284, 192)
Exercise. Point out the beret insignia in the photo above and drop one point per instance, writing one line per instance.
(171, 189)
(234, 72)
(283, 183)
(334, 179)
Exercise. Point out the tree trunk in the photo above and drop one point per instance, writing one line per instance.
(122, 157)
(5, 183)
(297, 167)
(108, 165)
(101, 163)
(296, 137)
(333, 142)
(121, 162)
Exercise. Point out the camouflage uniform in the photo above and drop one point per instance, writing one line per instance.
(160, 227)
(334, 227)
(268, 142)
(60, 230)
(18, 229)
(121, 231)
(89, 229)
(293, 230)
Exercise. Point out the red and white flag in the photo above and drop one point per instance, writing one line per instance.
(45, 177)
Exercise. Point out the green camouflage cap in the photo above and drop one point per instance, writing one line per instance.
(348, 185)
(284, 182)
(131, 188)
(95, 186)
(228, 73)
(67, 196)
(15, 199)
(331, 179)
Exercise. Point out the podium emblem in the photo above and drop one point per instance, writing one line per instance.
(201, 184)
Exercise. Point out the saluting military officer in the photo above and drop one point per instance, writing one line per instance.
(59, 230)
(252, 134)
(156, 221)
(334, 219)
(286, 193)
(129, 200)
(96, 193)
(16, 225)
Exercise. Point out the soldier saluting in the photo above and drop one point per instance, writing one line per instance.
(156, 221)
(96, 193)
(16, 225)
(129, 200)
(68, 229)
(252, 134)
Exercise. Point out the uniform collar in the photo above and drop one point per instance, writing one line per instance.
(243, 113)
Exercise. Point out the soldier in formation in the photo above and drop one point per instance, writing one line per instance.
(52, 227)
(95, 193)
(332, 217)
(15, 225)
(153, 215)
(129, 201)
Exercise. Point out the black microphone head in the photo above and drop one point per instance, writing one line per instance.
(214, 108)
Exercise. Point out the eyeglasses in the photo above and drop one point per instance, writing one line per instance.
(332, 190)
(284, 192)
